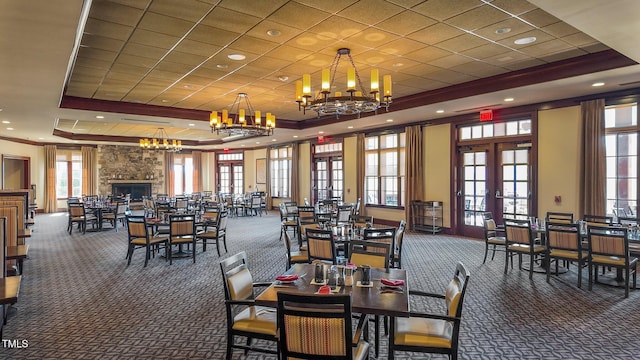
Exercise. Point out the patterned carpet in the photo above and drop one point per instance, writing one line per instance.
(80, 300)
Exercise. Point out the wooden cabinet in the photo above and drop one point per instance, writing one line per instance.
(427, 216)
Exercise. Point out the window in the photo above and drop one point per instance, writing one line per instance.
(483, 131)
(280, 163)
(183, 174)
(621, 125)
(231, 173)
(327, 173)
(384, 169)
(68, 174)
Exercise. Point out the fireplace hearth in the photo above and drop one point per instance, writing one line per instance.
(137, 190)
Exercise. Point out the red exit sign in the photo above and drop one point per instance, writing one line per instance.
(486, 115)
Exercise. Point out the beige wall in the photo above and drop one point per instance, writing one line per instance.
(36, 156)
(13, 177)
(350, 166)
(559, 134)
(437, 167)
(304, 171)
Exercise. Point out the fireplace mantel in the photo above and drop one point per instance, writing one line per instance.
(124, 181)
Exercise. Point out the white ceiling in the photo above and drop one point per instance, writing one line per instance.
(38, 49)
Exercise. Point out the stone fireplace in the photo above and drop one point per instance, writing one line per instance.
(137, 189)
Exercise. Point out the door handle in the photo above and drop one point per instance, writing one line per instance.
(498, 196)
(459, 193)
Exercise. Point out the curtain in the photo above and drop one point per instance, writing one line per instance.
(295, 178)
(592, 185)
(196, 156)
(88, 170)
(50, 202)
(360, 172)
(169, 173)
(413, 169)
(268, 189)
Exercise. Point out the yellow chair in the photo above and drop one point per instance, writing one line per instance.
(432, 333)
(244, 318)
(140, 237)
(492, 238)
(610, 247)
(520, 240)
(294, 257)
(559, 218)
(321, 245)
(563, 243)
(215, 233)
(182, 231)
(319, 327)
(397, 254)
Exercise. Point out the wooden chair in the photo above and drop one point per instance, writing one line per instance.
(140, 237)
(520, 240)
(321, 245)
(255, 205)
(384, 235)
(294, 257)
(319, 327)
(397, 255)
(564, 243)
(118, 215)
(182, 231)
(361, 220)
(610, 247)
(493, 239)
(244, 318)
(215, 233)
(78, 215)
(286, 223)
(343, 215)
(597, 220)
(306, 219)
(559, 218)
(432, 333)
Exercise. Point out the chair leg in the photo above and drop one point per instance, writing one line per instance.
(486, 250)
(531, 259)
(224, 240)
(579, 273)
(229, 344)
(194, 251)
(147, 255)
(129, 254)
(506, 261)
(218, 246)
(376, 334)
(493, 254)
(590, 276)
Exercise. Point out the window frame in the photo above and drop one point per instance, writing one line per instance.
(378, 180)
(69, 157)
(280, 172)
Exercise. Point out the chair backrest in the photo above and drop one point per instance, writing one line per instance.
(489, 228)
(76, 209)
(400, 237)
(181, 226)
(563, 236)
(315, 326)
(559, 218)
(518, 231)
(212, 214)
(221, 225)
(121, 208)
(320, 245)
(628, 221)
(386, 235)
(306, 215)
(343, 215)
(356, 211)
(256, 200)
(372, 253)
(237, 279)
(454, 297)
(361, 220)
(597, 220)
(137, 227)
(609, 241)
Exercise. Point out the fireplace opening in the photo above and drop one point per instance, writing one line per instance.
(137, 190)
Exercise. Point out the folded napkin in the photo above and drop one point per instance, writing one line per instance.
(325, 289)
(287, 277)
(392, 282)
(351, 265)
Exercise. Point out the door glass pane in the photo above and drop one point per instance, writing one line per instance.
(475, 186)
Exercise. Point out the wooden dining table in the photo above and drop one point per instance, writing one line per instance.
(374, 300)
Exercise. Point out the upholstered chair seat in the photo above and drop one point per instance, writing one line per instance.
(256, 319)
(423, 332)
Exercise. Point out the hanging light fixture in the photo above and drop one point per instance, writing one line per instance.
(160, 141)
(242, 120)
(354, 102)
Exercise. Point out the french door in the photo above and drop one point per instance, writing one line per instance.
(328, 178)
(231, 178)
(494, 178)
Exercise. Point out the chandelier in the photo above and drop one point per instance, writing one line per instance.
(355, 102)
(160, 141)
(243, 121)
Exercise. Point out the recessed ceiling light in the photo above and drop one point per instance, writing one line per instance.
(164, 100)
(9, 128)
(398, 64)
(187, 86)
(295, 136)
(273, 32)
(389, 120)
(320, 132)
(508, 99)
(99, 117)
(274, 139)
(525, 40)
(350, 127)
(6, 122)
(192, 124)
(236, 57)
(439, 111)
(283, 78)
(222, 66)
(597, 84)
(243, 145)
(503, 30)
(257, 142)
(40, 138)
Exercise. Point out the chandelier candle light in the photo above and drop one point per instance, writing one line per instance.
(160, 141)
(242, 120)
(352, 104)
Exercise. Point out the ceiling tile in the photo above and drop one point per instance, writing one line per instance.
(461, 43)
(197, 48)
(513, 7)
(337, 28)
(291, 15)
(370, 11)
(259, 9)
(372, 37)
(478, 17)
(560, 29)
(435, 34)
(155, 39)
(91, 53)
(223, 18)
(580, 39)
(427, 54)
(115, 13)
(191, 60)
(254, 45)
(190, 10)
(167, 65)
(539, 18)
(479, 69)
(107, 29)
(540, 36)
(260, 31)
(485, 51)
(405, 23)
(330, 6)
(540, 49)
(211, 35)
(450, 61)
(444, 9)
(164, 24)
(137, 61)
(515, 25)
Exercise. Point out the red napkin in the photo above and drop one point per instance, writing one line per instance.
(325, 289)
(351, 265)
(287, 277)
(392, 282)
